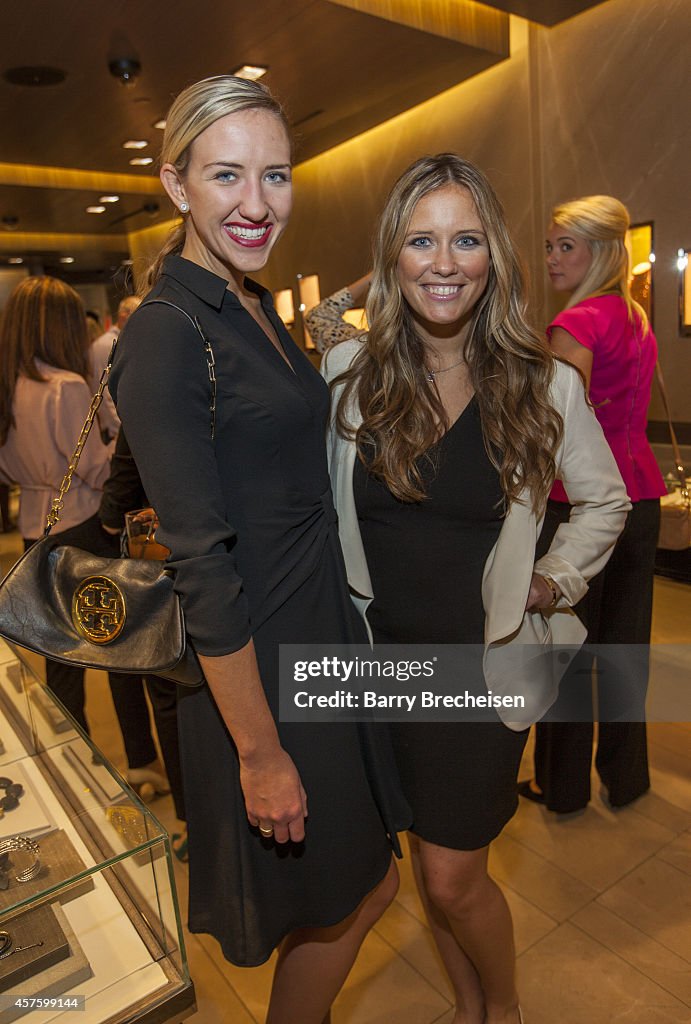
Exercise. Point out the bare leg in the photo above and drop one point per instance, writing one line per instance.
(313, 963)
(470, 1000)
(457, 883)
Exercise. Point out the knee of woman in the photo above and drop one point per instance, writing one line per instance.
(452, 893)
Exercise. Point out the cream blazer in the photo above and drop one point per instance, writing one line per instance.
(525, 653)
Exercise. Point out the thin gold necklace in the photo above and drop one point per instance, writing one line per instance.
(431, 375)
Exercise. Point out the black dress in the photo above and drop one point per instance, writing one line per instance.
(459, 777)
(250, 522)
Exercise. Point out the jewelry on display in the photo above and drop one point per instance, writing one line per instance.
(23, 844)
(6, 944)
(266, 831)
(129, 822)
(432, 375)
(4, 871)
(553, 587)
(13, 791)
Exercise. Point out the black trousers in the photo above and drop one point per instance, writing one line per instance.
(67, 683)
(616, 610)
(133, 714)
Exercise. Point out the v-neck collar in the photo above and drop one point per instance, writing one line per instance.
(264, 344)
(214, 291)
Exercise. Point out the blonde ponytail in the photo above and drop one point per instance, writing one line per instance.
(172, 246)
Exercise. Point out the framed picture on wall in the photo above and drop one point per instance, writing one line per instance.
(641, 247)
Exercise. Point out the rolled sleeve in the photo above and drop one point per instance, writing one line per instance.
(325, 322)
(160, 384)
(580, 322)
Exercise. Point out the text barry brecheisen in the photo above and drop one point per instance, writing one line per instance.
(405, 701)
(344, 670)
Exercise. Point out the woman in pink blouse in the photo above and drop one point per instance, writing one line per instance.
(606, 335)
(44, 399)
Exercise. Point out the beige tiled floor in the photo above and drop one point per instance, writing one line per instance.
(601, 903)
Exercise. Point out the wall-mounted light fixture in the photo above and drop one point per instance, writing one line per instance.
(308, 292)
(684, 268)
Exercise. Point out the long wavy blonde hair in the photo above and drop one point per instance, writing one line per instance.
(602, 222)
(194, 110)
(509, 363)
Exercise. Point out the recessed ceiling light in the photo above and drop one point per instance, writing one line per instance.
(67, 259)
(109, 199)
(141, 161)
(95, 209)
(160, 124)
(15, 259)
(250, 71)
(135, 144)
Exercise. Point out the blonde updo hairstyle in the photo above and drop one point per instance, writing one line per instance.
(602, 222)
(194, 110)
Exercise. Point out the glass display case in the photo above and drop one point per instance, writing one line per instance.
(88, 910)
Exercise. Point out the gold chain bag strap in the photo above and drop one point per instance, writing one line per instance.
(675, 509)
(117, 614)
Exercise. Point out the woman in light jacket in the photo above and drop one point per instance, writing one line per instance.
(451, 422)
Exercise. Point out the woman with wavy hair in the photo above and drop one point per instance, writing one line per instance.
(451, 422)
(606, 334)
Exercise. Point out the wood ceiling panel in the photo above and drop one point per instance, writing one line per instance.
(546, 12)
(83, 121)
(321, 56)
(338, 70)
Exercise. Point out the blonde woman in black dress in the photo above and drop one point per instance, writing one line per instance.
(451, 422)
(228, 436)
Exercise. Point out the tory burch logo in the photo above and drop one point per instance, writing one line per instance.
(98, 609)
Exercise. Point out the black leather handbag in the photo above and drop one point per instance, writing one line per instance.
(117, 614)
